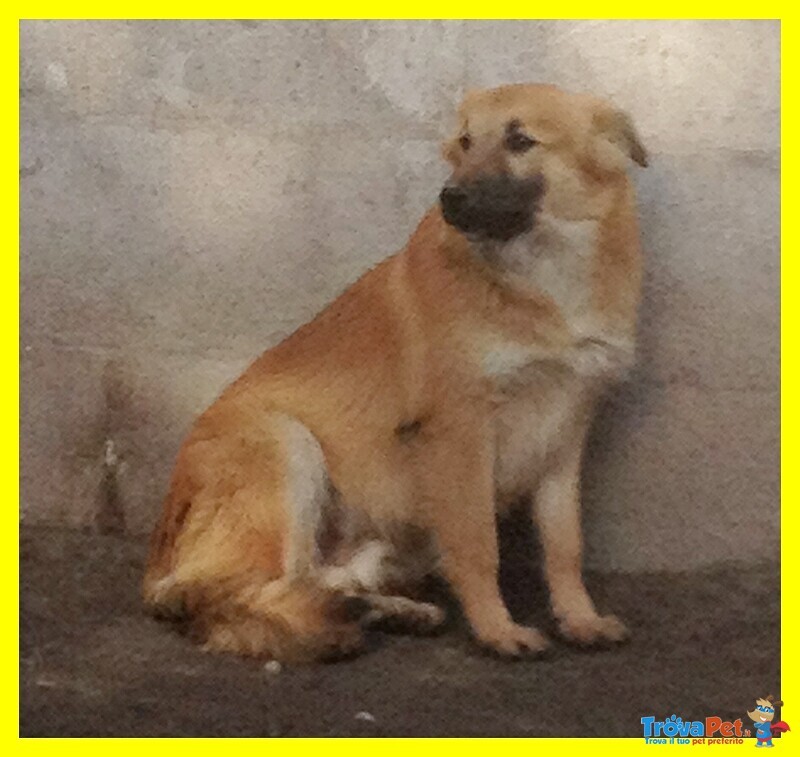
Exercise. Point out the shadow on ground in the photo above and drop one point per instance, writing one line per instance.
(93, 664)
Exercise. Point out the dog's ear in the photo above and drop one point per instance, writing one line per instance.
(451, 148)
(450, 151)
(614, 129)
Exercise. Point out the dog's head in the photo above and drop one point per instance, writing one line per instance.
(525, 148)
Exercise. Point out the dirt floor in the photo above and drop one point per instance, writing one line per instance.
(92, 663)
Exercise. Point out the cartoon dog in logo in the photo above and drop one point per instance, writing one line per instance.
(762, 717)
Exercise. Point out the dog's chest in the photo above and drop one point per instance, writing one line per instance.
(556, 260)
(541, 392)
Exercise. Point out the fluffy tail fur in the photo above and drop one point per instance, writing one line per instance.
(290, 621)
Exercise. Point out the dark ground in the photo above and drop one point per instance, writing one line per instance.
(93, 664)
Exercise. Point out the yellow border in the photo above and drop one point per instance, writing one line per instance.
(9, 302)
(412, 9)
(9, 328)
(790, 408)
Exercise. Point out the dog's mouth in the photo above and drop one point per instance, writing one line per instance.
(497, 208)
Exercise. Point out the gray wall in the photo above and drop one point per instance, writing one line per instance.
(192, 192)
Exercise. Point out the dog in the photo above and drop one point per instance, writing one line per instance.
(376, 444)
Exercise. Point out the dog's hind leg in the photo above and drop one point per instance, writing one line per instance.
(240, 557)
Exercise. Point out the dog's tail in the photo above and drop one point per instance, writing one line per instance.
(290, 621)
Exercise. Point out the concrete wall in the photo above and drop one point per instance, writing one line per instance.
(191, 192)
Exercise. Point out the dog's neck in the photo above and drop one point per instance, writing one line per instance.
(553, 258)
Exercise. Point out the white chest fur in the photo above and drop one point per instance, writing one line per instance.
(545, 392)
(556, 259)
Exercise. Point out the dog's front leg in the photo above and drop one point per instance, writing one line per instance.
(557, 515)
(458, 495)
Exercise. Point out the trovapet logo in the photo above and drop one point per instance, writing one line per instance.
(715, 730)
(676, 730)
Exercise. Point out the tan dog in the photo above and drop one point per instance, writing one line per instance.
(377, 443)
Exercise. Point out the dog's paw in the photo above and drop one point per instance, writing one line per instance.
(427, 618)
(403, 615)
(512, 640)
(588, 630)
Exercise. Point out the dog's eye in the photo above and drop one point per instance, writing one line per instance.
(519, 142)
(465, 141)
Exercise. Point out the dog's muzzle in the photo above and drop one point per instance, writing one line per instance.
(498, 208)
